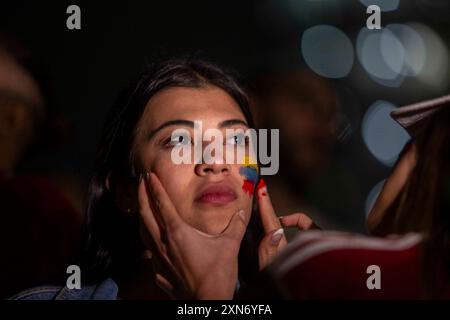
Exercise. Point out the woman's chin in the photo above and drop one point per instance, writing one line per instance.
(214, 225)
(214, 218)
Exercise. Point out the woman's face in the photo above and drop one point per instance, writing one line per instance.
(205, 195)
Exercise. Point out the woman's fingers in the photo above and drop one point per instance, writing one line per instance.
(299, 220)
(269, 247)
(237, 226)
(162, 203)
(203, 266)
(274, 239)
(146, 212)
(268, 217)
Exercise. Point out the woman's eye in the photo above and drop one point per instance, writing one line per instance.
(238, 139)
(179, 140)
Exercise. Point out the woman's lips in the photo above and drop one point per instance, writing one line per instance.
(216, 195)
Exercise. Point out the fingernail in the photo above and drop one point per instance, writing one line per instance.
(276, 236)
(241, 214)
(148, 179)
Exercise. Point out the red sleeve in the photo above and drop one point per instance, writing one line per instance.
(325, 265)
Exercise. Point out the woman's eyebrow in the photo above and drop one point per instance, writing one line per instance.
(190, 124)
(232, 122)
(178, 122)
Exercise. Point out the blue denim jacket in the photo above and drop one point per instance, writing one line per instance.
(106, 290)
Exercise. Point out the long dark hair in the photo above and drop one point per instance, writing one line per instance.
(112, 239)
(424, 204)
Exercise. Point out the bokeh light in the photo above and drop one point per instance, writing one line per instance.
(398, 51)
(383, 136)
(327, 51)
(435, 72)
(382, 55)
(414, 51)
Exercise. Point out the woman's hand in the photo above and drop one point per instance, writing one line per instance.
(301, 221)
(275, 239)
(206, 265)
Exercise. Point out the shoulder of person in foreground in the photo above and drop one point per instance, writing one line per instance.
(106, 290)
(336, 265)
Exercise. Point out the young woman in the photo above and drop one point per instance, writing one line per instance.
(157, 229)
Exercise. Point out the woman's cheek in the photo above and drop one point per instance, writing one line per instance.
(175, 179)
(246, 188)
(249, 177)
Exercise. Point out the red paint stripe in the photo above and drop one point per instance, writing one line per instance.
(261, 184)
(248, 187)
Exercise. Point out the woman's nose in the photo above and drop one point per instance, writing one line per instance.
(204, 169)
